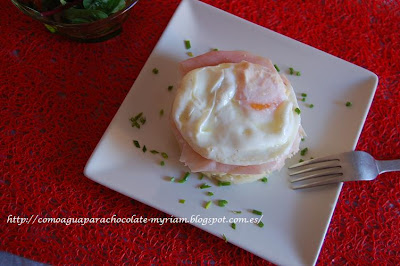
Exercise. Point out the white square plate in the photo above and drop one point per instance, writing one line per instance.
(295, 222)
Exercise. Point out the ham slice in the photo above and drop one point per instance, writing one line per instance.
(195, 161)
(214, 58)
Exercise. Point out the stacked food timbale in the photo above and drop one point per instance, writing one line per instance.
(235, 117)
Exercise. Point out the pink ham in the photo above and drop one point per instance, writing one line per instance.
(218, 57)
(195, 161)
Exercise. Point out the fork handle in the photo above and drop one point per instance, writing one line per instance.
(388, 166)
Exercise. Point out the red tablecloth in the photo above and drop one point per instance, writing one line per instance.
(57, 97)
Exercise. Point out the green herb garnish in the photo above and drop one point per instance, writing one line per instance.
(164, 155)
(201, 176)
(215, 49)
(154, 151)
(144, 148)
(182, 201)
(277, 68)
(303, 100)
(348, 104)
(136, 143)
(298, 73)
(222, 203)
(303, 151)
(170, 88)
(291, 70)
(203, 186)
(301, 160)
(209, 193)
(257, 212)
(208, 204)
(311, 106)
(237, 212)
(185, 178)
(233, 225)
(187, 44)
(134, 120)
(162, 163)
(224, 238)
(155, 70)
(304, 94)
(190, 54)
(224, 183)
(172, 179)
(297, 110)
(303, 139)
(260, 224)
(264, 179)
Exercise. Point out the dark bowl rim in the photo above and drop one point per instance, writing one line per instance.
(45, 20)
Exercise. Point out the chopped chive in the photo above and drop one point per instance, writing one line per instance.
(162, 163)
(298, 73)
(348, 104)
(215, 49)
(260, 224)
(144, 148)
(222, 203)
(277, 68)
(224, 238)
(154, 152)
(203, 186)
(164, 155)
(142, 120)
(233, 225)
(209, 193)
(190, 54)
(304, 94)
(161, 112)
(311, 158)
(208, 204)
(185, 178)
(135, 124)
(201, 176)
(297, 110)
(303, 100)
(172, 179)
(303, 151)
(136, 144)
(224, 183)
(237, 212)
(264, 180)
(257, 212)
(301, 160)
(311, 106)
(187, 44)
(291, 70)
(155, 70)
(170, 87)
(303, 139)
(182, 201)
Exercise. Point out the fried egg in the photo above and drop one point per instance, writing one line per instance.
(237, 113)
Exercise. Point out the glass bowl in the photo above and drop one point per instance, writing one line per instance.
(96, 31)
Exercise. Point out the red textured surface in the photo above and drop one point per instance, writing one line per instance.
(57, 97)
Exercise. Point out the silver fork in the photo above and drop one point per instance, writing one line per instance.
(343, 167)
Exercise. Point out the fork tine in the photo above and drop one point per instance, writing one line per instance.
(319, 182)
(316, 175)
(314, 161)
(313, 169)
